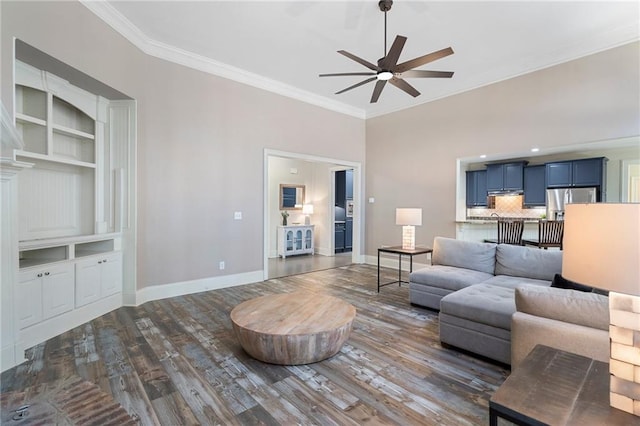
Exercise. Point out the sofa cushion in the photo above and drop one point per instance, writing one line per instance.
(464, 254)
(576, 307)
(513, 282)
(447, 277)
(482, 303)
(519, 261)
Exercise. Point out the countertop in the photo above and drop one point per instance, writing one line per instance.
(493, 220)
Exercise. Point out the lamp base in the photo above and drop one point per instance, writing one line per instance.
(624, 363)
(409, 237)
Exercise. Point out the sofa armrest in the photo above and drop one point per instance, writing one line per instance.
(570, 306)
(527, 331)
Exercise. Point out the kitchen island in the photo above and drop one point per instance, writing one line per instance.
(481, 229)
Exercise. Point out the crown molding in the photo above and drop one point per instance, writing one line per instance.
(124, 27)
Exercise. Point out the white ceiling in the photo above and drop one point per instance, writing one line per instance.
(283, 45)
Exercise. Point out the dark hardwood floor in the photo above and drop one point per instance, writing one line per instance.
(176, 361)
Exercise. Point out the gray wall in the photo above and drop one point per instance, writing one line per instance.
(201, 141)
(411, 154)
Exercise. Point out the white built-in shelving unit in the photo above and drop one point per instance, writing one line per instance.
(71, 203)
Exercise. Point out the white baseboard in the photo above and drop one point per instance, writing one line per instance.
(51, 327)
(163, 291)
(323, 251)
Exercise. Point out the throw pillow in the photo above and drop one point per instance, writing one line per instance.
(560, 282)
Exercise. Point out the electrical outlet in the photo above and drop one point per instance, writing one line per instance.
(221, 265)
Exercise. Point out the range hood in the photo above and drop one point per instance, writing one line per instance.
(506, 192)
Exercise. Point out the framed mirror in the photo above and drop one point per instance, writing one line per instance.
(291, 197)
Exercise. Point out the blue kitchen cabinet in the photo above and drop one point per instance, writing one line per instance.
(476, 188)
(505, 176)
(588, 172)
(348, 235)
(577, 173)
(349, 184)
(535, 186)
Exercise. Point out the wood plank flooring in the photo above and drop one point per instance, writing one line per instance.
(176, 361)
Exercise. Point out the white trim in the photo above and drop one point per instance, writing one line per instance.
(157, 292)
(625, 178)
(128, 30)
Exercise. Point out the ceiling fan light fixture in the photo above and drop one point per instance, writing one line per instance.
(384, 75)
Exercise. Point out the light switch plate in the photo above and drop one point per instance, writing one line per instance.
(237, 215)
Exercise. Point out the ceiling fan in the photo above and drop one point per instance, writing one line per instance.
(388, 69)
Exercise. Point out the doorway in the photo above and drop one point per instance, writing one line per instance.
(343, 211)
(317, 175)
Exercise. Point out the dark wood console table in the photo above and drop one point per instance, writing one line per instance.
(553, 387)
(400, 251)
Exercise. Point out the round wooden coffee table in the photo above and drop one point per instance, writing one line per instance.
(293, 328)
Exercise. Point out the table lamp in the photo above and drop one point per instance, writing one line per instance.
(602, 249)
(307, 210)
(408, 218)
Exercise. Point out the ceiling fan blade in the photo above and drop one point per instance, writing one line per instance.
(377, 90)
(392, 57)
(422, 60)
(426, 74)
(403, 85)
(357, 85)
(341, 74)
(358, 60)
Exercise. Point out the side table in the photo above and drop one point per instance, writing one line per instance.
(400, 251)
(554, 387)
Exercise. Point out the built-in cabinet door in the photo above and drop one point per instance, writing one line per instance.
(476, 188)
(559, 174)
(349, 184)
(111, 279)
(495, 177)
(588, 172)
(88, 272)
(341, 190)
(513, 173)
(534, 186)
(348, 235)
(57, 290)
(28, 305)
(43, 293)
(505, 177)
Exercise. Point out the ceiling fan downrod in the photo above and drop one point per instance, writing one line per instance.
(385, 6)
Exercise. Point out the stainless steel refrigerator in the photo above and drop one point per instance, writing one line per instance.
(558, 198)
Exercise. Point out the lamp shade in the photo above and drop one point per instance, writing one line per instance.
(405, 216)
(602, 246)
(307, 209)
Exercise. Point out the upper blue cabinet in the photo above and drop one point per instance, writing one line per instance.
(477, 188)
(505, 176)
(534, 186)
(576, 173)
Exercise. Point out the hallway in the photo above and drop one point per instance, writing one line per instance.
(294, 265)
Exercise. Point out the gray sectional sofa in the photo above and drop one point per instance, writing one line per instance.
(473, 285)
(573, 321)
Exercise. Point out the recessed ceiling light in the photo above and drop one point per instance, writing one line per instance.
(535, 149)
(483, 156)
